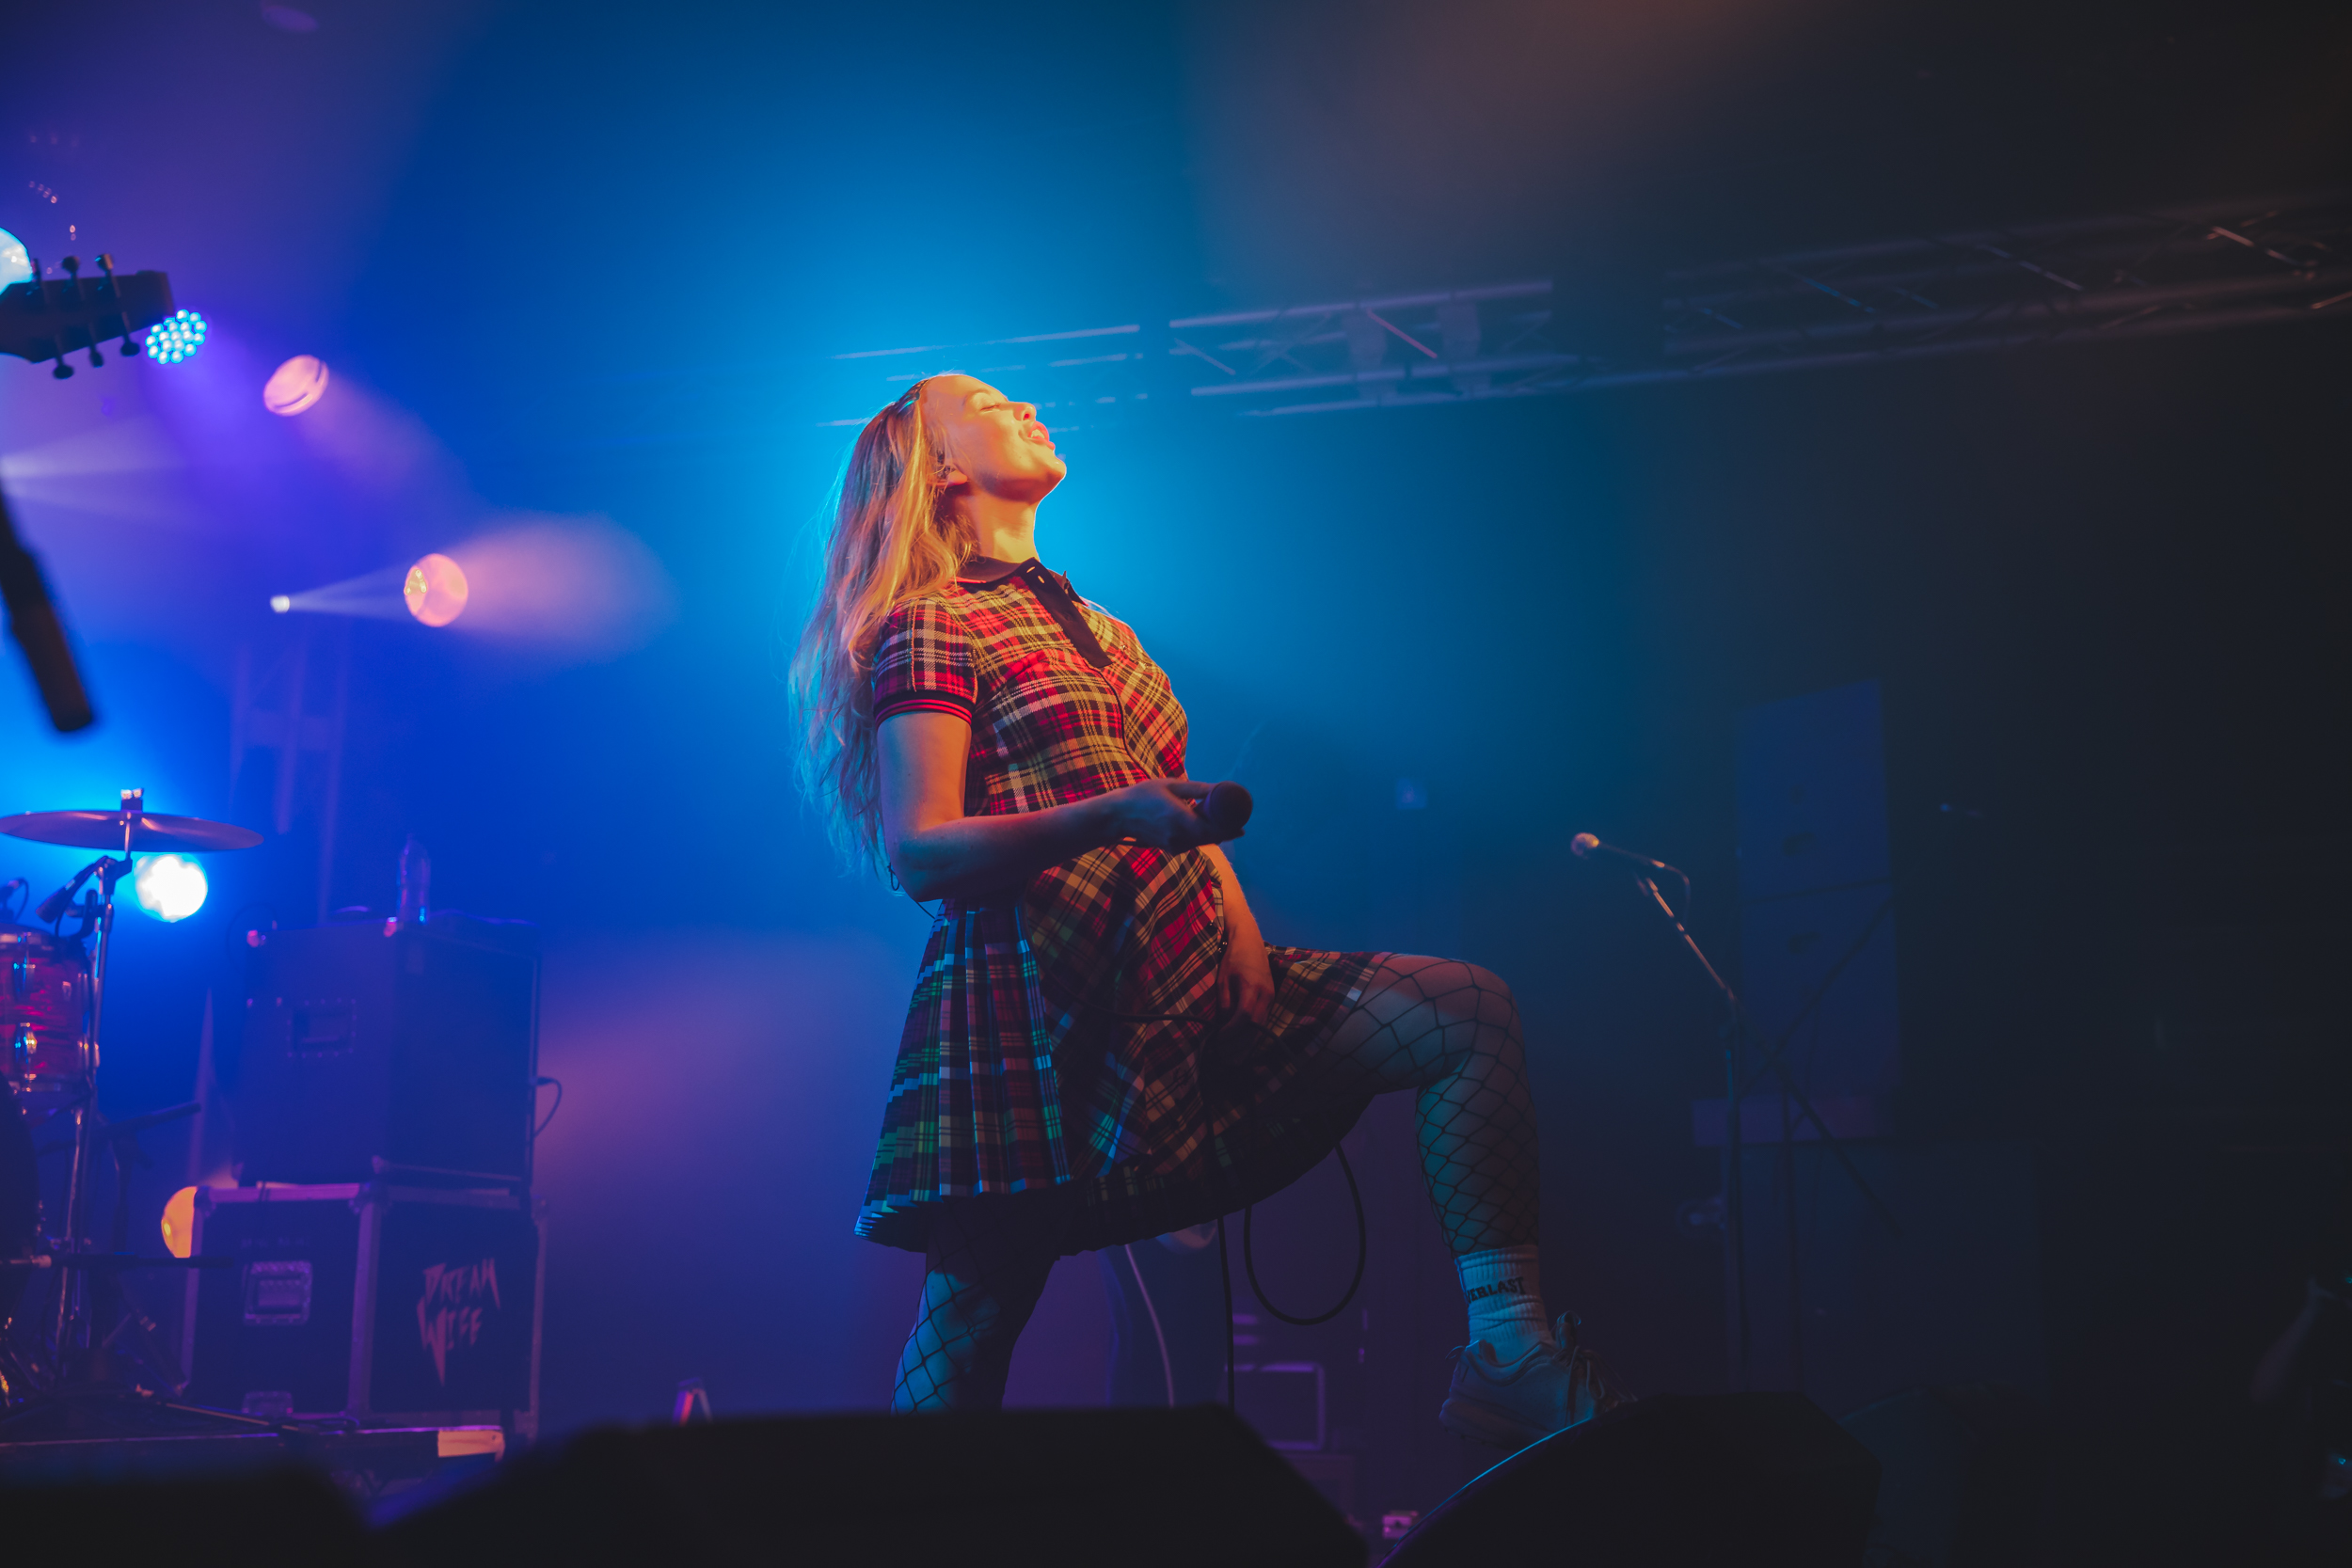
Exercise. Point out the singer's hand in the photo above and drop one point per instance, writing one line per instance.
(1245, 981)
(1158, 813)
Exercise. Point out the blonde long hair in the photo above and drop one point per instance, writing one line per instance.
(895, 538)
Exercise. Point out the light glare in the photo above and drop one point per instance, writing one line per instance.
(435, 591)
(169, 887)
(294, 386)
(180, 1223)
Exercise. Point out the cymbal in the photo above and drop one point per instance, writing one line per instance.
(150, 830)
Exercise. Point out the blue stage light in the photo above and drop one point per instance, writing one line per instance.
(169, 887)
(176, 337)
(15, 265)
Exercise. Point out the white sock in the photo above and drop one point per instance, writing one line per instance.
(1505, 1302)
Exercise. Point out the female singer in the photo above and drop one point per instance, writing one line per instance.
(1101, 1046)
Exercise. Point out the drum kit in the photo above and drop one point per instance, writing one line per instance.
(52, 1013)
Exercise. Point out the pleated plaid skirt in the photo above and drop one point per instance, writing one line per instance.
(1043, 1048)
(1067, 1033)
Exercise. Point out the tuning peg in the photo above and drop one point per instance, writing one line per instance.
(72, 265)
(96, 359)
(64, 372)
(129, 348)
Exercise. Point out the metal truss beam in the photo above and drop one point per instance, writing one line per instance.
(2093, 280)
(2188, 269)
(2096, 280)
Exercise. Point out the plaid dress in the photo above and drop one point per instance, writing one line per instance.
(1066, 1031)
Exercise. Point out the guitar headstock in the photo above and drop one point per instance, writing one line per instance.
(47, 319)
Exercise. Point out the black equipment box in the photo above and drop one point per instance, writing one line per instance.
(369, 1051)
(388, 1306)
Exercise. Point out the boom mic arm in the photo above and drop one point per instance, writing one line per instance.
(1585, 846)
(33, 622)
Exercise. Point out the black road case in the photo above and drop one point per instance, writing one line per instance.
(388, 1306)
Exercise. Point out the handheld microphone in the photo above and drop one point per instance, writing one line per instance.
(1227, 807)
(1585, 846)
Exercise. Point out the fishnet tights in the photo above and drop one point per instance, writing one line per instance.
(1448, 1030)
(1451, 1031)
(984, 1270)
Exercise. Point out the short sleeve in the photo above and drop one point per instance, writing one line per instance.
(923, 663)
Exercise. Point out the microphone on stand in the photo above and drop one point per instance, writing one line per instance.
(54, 907)
(1585, 846)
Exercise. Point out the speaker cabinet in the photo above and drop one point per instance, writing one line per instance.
(415, 1048)
(1036, 1489)
(1758, 1479)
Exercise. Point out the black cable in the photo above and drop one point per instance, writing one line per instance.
(1224, 1258)
(1225, 1273)
(1363, 1251)
(1813, 1002)
(553, 1109)
(1248, 1259)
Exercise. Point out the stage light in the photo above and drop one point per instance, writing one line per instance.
(435, 591)
(294, 386)
(281, 602)
(180, 1223)
(16, 264)
(169, 887)
(176, 337)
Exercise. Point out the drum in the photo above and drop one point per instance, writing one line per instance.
(44, 1010)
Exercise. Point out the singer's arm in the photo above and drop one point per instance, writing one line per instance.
(938, 852)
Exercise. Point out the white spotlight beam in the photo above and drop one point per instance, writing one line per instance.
(372, 594)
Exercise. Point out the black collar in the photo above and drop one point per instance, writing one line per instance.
(1053, 590)
(983, 569)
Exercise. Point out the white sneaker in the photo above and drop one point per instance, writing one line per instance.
(1512, 1404)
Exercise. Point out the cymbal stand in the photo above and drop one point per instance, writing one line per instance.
(73, 1291)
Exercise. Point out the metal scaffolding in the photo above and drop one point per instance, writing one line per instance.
(1448, 346)
(2085, 281)
(2096, 279)
(2189, 269)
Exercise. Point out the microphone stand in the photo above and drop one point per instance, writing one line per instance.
(1736, 1024)
(76, 1306)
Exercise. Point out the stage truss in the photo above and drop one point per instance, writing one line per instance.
(2248, 263)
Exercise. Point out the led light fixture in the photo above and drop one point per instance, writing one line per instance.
(177, 337)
